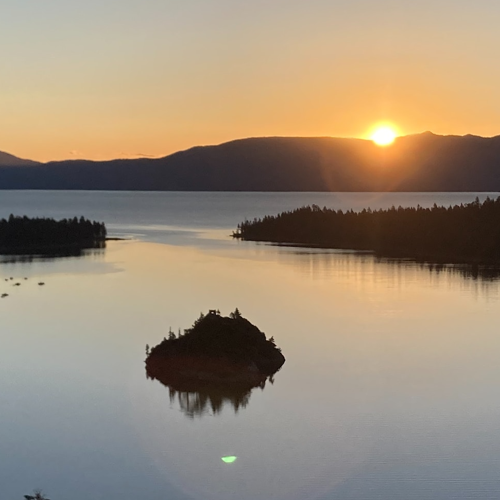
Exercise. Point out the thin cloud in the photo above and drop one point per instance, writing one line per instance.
(137, 155)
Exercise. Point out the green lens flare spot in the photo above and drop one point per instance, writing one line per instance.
(229, 460)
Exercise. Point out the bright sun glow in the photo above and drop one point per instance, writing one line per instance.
(383, 136)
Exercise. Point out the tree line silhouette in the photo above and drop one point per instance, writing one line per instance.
(466, 233)
(23, 234)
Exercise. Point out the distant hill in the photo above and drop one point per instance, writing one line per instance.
(423, 162)
(7, 160)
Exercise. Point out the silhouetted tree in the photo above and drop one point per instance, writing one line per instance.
(235, 314)
(37, 495)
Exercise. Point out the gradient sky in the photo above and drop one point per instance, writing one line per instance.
(118, 78)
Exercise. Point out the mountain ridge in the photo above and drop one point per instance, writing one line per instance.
(7, 159)
(420, 162)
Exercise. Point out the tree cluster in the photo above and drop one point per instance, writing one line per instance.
(462, 233)
(26, 233)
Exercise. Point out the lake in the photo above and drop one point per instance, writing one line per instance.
(389, 391)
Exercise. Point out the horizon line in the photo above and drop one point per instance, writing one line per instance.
(145, 156)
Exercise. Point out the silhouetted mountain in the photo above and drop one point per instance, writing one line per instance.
(7, 160)
(424, 162)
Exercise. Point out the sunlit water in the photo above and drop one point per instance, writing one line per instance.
(390, 388)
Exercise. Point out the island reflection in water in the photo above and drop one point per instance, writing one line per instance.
(47, 255)
(199, 398)
(321, 263)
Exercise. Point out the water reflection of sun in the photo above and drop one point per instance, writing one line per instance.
(383, 135)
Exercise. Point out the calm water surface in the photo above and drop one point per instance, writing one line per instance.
(390, 389)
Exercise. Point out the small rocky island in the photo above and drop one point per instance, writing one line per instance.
(217, 351)
(24, 235)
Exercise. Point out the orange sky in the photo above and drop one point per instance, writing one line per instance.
(91, 80)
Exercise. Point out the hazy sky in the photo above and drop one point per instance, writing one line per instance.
(110, 78)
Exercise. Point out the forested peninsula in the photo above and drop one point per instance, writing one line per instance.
(467, 233)
(24, 235)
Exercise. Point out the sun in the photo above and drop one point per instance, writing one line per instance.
(383, 135)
